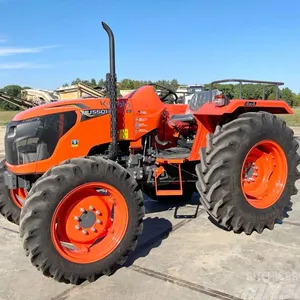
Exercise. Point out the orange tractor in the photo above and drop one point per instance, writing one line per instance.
(75, 171)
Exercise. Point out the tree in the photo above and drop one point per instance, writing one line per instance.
(101, 82)
(287, 95)
(93, 83)
(13, 91)
(76, 81)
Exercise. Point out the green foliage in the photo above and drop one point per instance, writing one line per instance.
(287, 95)
(101, 82)
(255, 91)
(13, 91)
(92, 83)
(249, 91)
(126, 84)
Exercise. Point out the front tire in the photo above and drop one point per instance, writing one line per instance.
(237, 193)
(10, 200)
(81, 219)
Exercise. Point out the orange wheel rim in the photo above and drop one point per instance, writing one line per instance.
(89, 223)
(264, 174)
(18, 196)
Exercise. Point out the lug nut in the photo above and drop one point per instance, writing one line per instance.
(77, 227)
(82, 210)
(84, 231)
(76, 218)
(255, 174)
(99, 222)
(252, 179)
(91, 207)
(93, 229)
(98, 212)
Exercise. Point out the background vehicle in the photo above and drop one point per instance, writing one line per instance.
(85, 163)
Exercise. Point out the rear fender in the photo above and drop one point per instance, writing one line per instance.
(272, 106)
(210, 115)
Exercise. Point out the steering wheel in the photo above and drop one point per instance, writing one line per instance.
(170, 92)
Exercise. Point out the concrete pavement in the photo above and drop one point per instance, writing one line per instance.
(175, 259)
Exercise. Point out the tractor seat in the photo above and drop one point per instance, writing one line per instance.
(189, 118)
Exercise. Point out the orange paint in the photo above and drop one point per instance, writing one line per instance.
(66, 228)
(264, 174)
(139, 114)
(18, 195)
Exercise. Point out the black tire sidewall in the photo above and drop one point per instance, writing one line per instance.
(8, 208)
(238, 198)
(45, 239)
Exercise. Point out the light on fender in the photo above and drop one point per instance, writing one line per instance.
(220, 100)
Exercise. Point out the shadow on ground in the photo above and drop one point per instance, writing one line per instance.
(157, 229)
(154, 206)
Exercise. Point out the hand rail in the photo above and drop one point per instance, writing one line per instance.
(240, 81)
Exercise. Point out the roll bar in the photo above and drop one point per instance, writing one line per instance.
(240, 81)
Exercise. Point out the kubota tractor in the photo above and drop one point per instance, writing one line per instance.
(75, 171)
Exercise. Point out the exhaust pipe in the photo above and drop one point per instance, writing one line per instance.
(111, 87)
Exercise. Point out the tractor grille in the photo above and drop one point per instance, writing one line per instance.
(36, 139)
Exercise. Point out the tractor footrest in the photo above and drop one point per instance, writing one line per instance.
(162, 192)
(174, 152)
(168, 192)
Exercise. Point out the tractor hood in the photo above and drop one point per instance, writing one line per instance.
(33, 134)
(62, 106)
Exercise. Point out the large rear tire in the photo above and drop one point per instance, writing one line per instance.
(10, 200)
(247, 172)
(81, 219)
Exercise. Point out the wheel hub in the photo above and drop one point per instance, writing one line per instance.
(264, 174)
(89, 222)
(87, 219)
(90, 217)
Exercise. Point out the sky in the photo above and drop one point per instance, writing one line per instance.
(44, 44)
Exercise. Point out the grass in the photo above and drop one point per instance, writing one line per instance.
(6, 116)
(292, 120)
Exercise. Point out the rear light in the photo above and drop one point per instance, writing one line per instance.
(220, 100)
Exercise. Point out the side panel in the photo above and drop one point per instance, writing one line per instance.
(92, 128)
(174, 109)
(75, 143)
(147, 112)
(200, 141)
(137, 116)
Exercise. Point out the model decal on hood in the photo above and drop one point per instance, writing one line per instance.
(93, 113)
